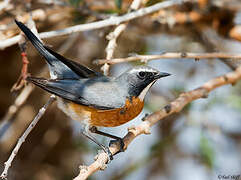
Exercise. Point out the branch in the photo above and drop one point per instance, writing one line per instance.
(174, 107)
(22, 97)
(112, 37)
(5, 5)
(24, 136)
(170, 55)
(17, 103)
(116, 20)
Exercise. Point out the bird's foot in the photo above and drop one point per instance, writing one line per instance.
(121, 142)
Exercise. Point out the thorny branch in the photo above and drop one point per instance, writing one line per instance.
(112, 21)
(24, 136)
(144, 127)
(170, 55)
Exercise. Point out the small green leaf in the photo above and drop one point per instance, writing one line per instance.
(235, 101)
(207, 151)
(75, 2)
(152, 2)
(118, 3)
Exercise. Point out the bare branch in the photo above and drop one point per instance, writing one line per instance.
(116, 20)
(112, 37)
(5, 5)
(21, 81)
(17, 103)
(171, 55)
(24, 136)
(174, 107)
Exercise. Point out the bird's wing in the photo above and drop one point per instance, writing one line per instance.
(59, 65)
(82, 92)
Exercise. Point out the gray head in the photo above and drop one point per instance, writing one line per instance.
(139, 79)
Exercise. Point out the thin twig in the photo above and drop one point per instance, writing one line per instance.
(5, 5)
(174, 107)
(24, 136)
(12, 110)
(114, 20)
(170, 55)
(15, 106)
(22, 45)
(112, 37)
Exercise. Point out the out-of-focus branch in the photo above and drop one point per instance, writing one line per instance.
(171, 55)
(21, 80)
(174, 107)
(15, 106)
(235, 32)
(115, 20)
(24, 136)
(112, 37)
(5, 5)
(212, 42)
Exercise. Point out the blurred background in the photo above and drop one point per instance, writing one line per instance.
(201, 142)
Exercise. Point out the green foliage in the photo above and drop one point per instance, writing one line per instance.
(81, 145)
(178, 89)
(75, 2)
(159, 147)
(78, 18)
(109, 11)
(118, 4)
(130, 168)
(207, 151)
(152, 2)
(235, 101)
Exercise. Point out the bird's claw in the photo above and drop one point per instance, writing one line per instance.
(122, 144)
(110, 155)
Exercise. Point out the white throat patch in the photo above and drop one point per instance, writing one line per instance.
(144, 91)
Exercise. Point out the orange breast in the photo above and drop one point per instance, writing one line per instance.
(110, 118)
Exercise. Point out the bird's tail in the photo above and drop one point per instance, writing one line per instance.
(59, 66)
(36, 42)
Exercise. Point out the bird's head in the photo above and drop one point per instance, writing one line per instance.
(138, 80)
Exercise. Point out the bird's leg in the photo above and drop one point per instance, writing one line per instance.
(105, 149)
(94, 129)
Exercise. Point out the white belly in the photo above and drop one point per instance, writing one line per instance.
(83, 118)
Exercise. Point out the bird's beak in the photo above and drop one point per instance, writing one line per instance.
(161, 75)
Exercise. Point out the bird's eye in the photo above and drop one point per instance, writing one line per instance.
(154, 73)
(142, 75)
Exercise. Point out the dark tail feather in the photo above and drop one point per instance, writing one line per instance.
(51, 87)
(36, 42)
(42, 83)
(59, 65)
(37, 81)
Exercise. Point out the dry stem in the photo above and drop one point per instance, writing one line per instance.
(114, 20)
(24, 136)
(112, 37)
(171, 55)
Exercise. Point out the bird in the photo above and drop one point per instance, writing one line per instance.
(88, 96)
